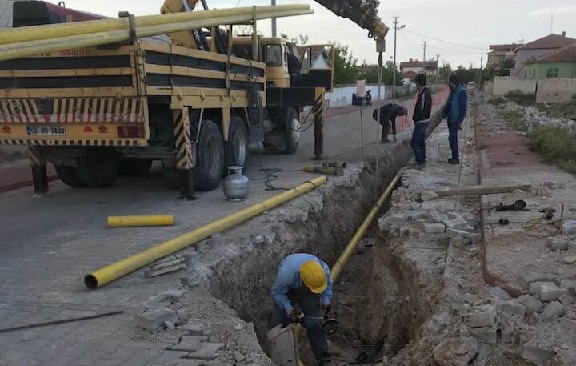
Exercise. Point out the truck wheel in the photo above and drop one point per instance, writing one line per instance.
(67, 174)
(98, 172)
(237, 155)
(292, 136)
(209, 157)
(135, 167)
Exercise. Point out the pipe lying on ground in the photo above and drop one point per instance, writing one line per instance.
(140, 220)
(116, 270)
(40, 32)
(32, 48)
(351, 247)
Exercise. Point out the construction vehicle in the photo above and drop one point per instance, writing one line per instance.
(187, 101)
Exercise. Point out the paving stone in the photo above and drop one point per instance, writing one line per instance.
(189, 344)
(498, 293)
(513, 309)
(532, 304)
(485, 335)
(193, 328)
(536, 353)
(546, 291)
(209, 351)
(529, 277)
(435, 228)
(483, 316)
(552, 311)
(153, 319)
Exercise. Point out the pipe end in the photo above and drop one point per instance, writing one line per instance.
(91, 281)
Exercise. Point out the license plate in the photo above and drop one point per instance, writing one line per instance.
(46, 130)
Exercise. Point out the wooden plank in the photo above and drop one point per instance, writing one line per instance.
(65, 73)
(479, 190)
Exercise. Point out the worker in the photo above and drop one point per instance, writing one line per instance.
(455, 112)
(294, 69)
(388, 114)
(303, 288)
(421, 118)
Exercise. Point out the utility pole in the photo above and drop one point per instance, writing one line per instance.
(394, 71)
(437, 67)
(273, 3)
(424, 59)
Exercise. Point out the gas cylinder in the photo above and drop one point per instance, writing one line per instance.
(236, 185)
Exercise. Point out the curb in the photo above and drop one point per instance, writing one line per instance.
(24, 184)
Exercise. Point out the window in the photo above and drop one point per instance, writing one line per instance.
(274, 55)
(552, 72)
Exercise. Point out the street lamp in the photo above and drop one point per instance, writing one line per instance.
(396, 28)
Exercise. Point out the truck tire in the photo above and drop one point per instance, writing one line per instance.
(209, 157)
(98, 172)
(292, 136)
(237, 154)
(67, 174)
(135, 167)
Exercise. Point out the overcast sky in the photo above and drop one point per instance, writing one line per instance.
(470, 25)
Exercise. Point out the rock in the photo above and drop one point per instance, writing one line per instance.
(391, 222)
(193, 328)
(443, 205)
(570, 285)
(239, 357)
(172, 295)
(428, 196)
(566, 299)
(209, 351)
(415, 215)
(557, 243)
(435, 228)
(154, 319)
(485, 335)
(569, 227)
(552, 311)
(455, 351)
(238, 326)
(482, 316)
(189, 344)
(569, 259)
(513, 309)
(537, 354)
(498, 293)
(529, 276)
(468, 237)
(439, 321)
(457, 224)
(532, 304)
(192, 280)
(546, 291)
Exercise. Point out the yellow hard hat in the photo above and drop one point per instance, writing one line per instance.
(313, 276)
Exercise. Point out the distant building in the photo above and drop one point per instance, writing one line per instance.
(500, 52)
(558, 64)
(413, 67)
(537, 49)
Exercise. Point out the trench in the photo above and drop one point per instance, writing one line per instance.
(374, 298)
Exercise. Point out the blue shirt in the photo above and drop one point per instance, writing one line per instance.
(289, 278)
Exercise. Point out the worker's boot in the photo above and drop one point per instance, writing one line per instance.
(453, 161)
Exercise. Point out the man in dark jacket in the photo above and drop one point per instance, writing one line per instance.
(455, 112)
(388, 114)
(421, 118)
(294, 69)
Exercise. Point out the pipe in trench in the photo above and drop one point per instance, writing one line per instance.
(351, 247)
(125, 266)
(140, 220)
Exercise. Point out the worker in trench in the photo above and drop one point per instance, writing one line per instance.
(302, 290)
(388, 114)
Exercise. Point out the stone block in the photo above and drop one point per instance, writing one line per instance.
(391, 222)
(498, 293)
(546, 291)
(537, 354)
(153, 319)
(570, 285)
(189, 344)
(428, 196)
(193, 328)
(485, 335)
(532, 304)
(209, 351)
(552, 311)
(435, 228)
(439, 205)
(569, 227)
(174, 295)
(466, 236)
(569, 259)
(482, 316)
(528, 277)
(457, 224)
(439, 321)
(511, 308)
(415, 215)
(557, 243)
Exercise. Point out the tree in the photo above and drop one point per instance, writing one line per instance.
(345, 71)
(299, 40)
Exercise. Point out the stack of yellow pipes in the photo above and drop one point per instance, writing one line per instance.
(29, 41)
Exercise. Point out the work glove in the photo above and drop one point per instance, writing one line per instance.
(293, 316)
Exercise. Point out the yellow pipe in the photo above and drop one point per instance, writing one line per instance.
(35, 33)
(116, 270)
(140, 220)
(31, 48)
(351, 247)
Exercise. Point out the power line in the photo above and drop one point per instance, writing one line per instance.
(442, 40)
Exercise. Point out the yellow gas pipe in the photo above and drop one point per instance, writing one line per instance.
(31, 48)
(40, 32)
(116, 270)
(140, 220)
(351, 247)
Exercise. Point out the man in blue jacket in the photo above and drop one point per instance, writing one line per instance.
(303, 285)
(455, 111)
